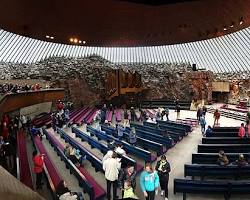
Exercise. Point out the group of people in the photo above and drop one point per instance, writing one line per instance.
(125, 178)
(244, 130)
(74, 155)
(15, 88)
(62, 190)
(8, 128)
(224, 161)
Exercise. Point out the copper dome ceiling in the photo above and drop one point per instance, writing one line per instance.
(124, 22)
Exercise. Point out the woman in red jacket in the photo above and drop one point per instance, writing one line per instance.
(38, 168)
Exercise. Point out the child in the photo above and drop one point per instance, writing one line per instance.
(128, 191)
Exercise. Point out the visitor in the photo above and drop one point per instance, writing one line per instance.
(222, 159)
(120, 129)
(132, 136)
(158, 114)
(132, 113)
(70, 153)
(120, 150)
(240, 162)
(176, 103)
(204, 110)
(38, 168)
(241, 132)
(126, 120)
(109, 154)
(111, 144)
(166, 114)
(128, 191)
(5, 131)
(64, 193)
(80, 157)
(9, 154)
(111, 167)
(209, 131)
(199, 114)
(248, 129)
(216, 117)
(163, 169)
(149, 182)
(125, 174)
(23, 122)
(203, 124)
(178, 110)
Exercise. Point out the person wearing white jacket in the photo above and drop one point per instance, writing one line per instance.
(111, 167)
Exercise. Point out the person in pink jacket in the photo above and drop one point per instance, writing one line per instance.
(241, 132)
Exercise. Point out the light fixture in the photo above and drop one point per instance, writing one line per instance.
(232, 25)
(225, 28)
(80, 41)
(71, 40)
(84, 42)
(75, 40)
(52, 38)
(241, 21)
(47, 36)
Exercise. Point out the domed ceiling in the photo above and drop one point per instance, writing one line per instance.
(124, 22)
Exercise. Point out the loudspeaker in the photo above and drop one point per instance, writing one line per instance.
(194, 67)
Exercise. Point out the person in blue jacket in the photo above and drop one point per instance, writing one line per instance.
(149, 182)
(209, 132)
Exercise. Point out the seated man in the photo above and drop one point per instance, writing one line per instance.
(241, 161)
(120, 150)
(209, 131)
(222, 159)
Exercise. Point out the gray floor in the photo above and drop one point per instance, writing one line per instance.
(177, 156)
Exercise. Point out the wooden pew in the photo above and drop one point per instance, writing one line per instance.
(227, 148)
(225, 140)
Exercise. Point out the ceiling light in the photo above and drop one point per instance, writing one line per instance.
(52, 38)
(225, 28)
(241, 21)
(232, 25)
(84, 42)
(71, 40)
(75, 40)
(47, 36)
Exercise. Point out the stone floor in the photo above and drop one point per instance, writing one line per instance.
(177, 156)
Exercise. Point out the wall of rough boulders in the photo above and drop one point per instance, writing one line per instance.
(239, 85)
(84, 78)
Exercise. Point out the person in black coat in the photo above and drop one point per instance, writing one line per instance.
(163, 169)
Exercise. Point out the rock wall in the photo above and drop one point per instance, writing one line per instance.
(239, 85)
(84, 78)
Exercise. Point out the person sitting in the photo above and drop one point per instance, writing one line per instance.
(132, 136)
(222, 159)
(128, 192)
(70, 153)
(241, 161)
(64, 193)
(80, 157)
(111, 144)
(120, 150)
(241, 132)
(209, 131)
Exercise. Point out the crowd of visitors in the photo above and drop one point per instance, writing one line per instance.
(15, 88)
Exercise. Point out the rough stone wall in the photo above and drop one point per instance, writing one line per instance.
(239, 85)
(84, 78)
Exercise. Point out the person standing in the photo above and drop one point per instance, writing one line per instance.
(163, 169)
(216, 117)
(38, 168)
(120, 130)
(178, 110)
(111, 167)
(167, 113)
(149, 182)
(132, 136)
(203, 124)
(242, 132)
(126, 120)
(204, 111)
(199, 114)
(128, 173)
